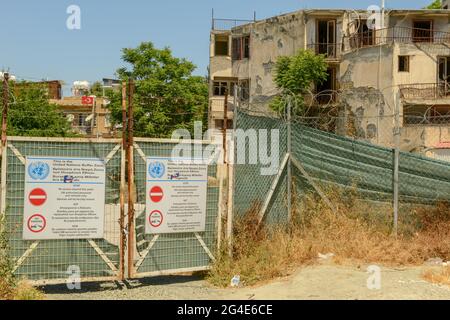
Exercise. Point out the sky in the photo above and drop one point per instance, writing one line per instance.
(36, 43)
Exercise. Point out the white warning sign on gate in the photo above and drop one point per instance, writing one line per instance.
(176, 195)
(64, 198)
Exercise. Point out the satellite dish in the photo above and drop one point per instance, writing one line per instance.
(70, 117)
(89, 118)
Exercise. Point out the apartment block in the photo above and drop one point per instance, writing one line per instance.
(399, 67)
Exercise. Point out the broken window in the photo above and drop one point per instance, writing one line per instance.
(403, 63)
(221, 45)
(326, 38)
(365, 35)
(223, 86)
(241, 48)
(423, 31)
(326, 91)
(245, 89)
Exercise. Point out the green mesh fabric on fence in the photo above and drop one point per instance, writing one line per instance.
(333, 160)
(251, 187)
(172, 251)
(50, 259)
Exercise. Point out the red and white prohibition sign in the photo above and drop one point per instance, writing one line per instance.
(37, 197)
(156, 194)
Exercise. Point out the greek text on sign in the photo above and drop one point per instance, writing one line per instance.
(64, 198)
(176, 195)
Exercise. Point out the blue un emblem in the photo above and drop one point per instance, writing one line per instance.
(156, 169)
(38, 170)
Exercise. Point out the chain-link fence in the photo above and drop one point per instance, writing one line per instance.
(166, 253)
(387, 167)
(55, 260)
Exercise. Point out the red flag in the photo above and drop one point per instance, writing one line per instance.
(87, 100)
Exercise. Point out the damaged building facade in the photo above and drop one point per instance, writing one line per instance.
(396, 73)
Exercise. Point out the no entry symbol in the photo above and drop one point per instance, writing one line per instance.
(156, 194)
(37, 197)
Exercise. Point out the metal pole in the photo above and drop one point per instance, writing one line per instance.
(396, 161)
(225, 126)
(289, 165)
(122, 183)
(5, 108)
(230, 169)
(131, 231)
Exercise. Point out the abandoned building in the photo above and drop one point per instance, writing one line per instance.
(401, 67)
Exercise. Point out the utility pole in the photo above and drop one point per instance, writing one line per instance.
(131, 231)
(122, 182)
(5, 107)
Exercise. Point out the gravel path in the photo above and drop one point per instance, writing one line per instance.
(309, 283)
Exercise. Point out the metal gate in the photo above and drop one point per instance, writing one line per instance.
(171, 253)
(53, 261)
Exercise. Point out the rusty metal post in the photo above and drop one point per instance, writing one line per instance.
(122, 183)
(5, 108)
(131, 231)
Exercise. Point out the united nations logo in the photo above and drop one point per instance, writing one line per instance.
(38, 170)
(156, 169)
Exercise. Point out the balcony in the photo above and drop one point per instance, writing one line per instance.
(425, 91)
(331, 51)
(228, 24)
(395, 35)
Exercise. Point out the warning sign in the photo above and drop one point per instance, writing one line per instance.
(64, 198)
(36, 223)
(156, 194)
(37, 197)
(176, 200)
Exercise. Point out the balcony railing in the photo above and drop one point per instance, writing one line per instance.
(425, 91)
(228, 24)
(395, 35)
(330, 50)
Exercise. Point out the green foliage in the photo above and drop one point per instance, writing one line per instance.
(31, 114)
(7, 279)
(167, 95)
(96, 89)
(437, 4)
(295, 75)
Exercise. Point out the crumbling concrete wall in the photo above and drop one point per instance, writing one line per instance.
(367, 94)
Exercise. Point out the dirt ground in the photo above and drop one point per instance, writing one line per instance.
(328, 282)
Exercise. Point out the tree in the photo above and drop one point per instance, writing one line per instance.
(96, 89)
(31, 114)
(437, 4)
(295, 76)
(167, 95)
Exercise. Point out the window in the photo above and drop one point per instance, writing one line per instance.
(245, 89)
(221, 45)
(403, 63)
(81, 119)
(423, 31)
(241, 48)
(426, 115)
(220, 87)
(219, 124)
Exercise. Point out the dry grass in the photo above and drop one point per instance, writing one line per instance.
(10, 287)
(441, 277)
(358, 231)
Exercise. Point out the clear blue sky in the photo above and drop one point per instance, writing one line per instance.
(36, 44)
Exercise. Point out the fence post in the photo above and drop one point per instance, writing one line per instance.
(131, 231)
(122, 182)
(289, 165)
(396, 161)
(230, 169)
